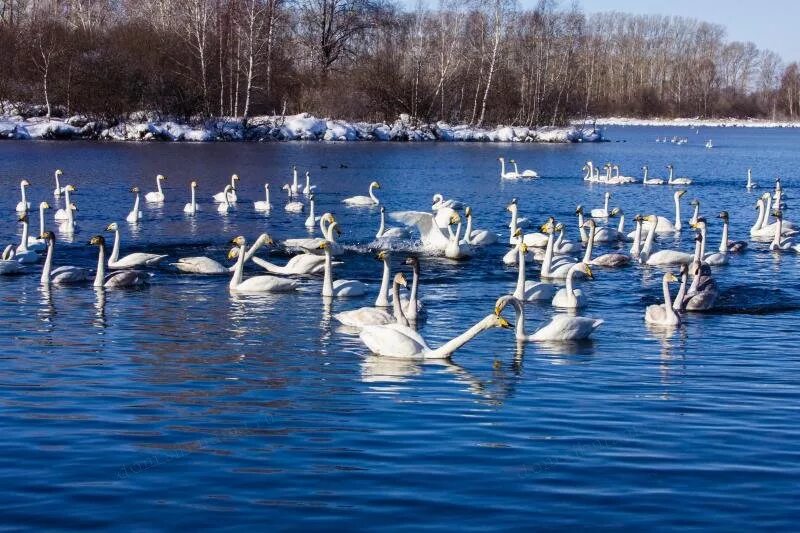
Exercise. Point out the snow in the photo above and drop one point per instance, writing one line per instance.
(696, 122)
(149, 126)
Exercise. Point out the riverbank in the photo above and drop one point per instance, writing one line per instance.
(305, 127)
(693, 122)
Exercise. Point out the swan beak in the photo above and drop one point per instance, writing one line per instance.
(381, 256)
(233, 253)
(502, 322)
(671, 277)
(589, 272)
(518, 232)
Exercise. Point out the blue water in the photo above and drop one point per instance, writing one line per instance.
(182, 405)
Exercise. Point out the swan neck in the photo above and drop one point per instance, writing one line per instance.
(678, 303)
(48, 263)
(100, 275)
(24, 241)
(581, 229)
(397, 309)
(372, 195)
(115, 250)
(677, 212)
(548, 256)
(454, 344)
(570, 274)
(723, 245)
(621, 225)
(383, 293)
(519, 291)
(327, 282)
(587, 256)
(412, 298)
(648, 243)
(41, 220)
(667, 299)
(382, 227)
(637, 239)
(236, 279)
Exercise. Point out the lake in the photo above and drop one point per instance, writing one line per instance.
(183, 405)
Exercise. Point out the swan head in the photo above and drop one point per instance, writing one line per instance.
(235, 177)
(777, 214)
(48, 236)
(23, 218)
(193, 184)
(97, 240)
(500, 159)
(512, 205)
(374, 185)
(680, 193)
(161, 177)
(699, 223)
(694, 202)
(669, 277)
(586, 269)
(411, 260)
(44, 205)
(112, 227)
(547, 227)
(58, 172)
(285, 187)
(723, 215)
(518, 232)
(652, 219)
(500, 304)
(329, 218)
(614, 212)
(70, 188)
(73, 207)
(559, 227)
(382, 256)
(264, 238)
(24, 183)
(579, 210)
(638, 218)
(644, 167)
(669, 167)
(455, 218)
(438, 198)
(266, 185)
(590, 224)
(308, 174)
(400, 279)
(134, 189)
(468, 211)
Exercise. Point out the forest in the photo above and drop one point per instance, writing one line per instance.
(460, 61)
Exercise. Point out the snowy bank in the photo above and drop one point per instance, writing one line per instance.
(305, 127)
(694, 122)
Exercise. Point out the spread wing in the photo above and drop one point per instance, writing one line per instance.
(430, 233)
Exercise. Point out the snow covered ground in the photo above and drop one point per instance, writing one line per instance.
(146, 127)
(694, 122)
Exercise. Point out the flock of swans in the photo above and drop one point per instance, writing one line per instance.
(388, 326)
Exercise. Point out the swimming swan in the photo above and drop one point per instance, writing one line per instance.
(118, 278)
(341, 288)
(365, 200)
(131, 260)
(192, 208)
(62, 275)
(135, 214)
(663, 314)
(255, 283)
(156, 196)
(230, 194)
(373, 316)
(560, 328)
(263, 205)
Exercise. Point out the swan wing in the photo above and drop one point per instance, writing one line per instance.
(430, 233)
(567, 328)
(393, 340)
(69, 274)
(199, 265)
(536, 290)
(137, 259)
(364, 316)
(126, 278)
(267, 284)
(349, 287)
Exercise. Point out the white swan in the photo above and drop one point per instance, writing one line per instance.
(294, 188)
(62, 275)
(439, 203)
(192, 208)
(299, 265)
(225, 206)
(661, 257)
(650, 181)
(611, 260)
(589, 169)
(131, 260)
(23, 205)
(395, 340)
(308, 189)
(607, 233)
(36, 243)
(560, 328)
(663, 314)
(341, 288)
(527, 173)
(412, 305)
(68, 225)
(135, 214)
(23, 254)
(569, 297)
(478, 237)
(59, 190)
(530, 291)
(8, 263)
(663, 224)
(750, 183)
(563, 246)
(383, 292)
(714, 259)
(292, 206)
(365, 200)
(156, 196)
(779, 243)
(432, 236)
(329, 228)
(118, 278)
(263, 205)
(511, 258)
(603, 211)
(62, 214)
(373, 316)
(762, 228)
(390, 233)
(516, 220)
(683, 180)
(228, 195)
(622, 179)
(311, 220)
(549, 270)
(255, 283)
(456, 248)
(507, 175)
(199, 265)
(725, 244)
(695, 203)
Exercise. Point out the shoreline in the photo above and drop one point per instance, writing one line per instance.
(140, 127)
(691, 122)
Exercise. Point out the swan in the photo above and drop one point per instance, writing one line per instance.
(703, 292)
(294, 188)
(292, 206)
(341, 288)
(778, 203)
(432, 236)
(663, 314)
(456, 248)
(602, 212)
(383, 293)
(230, 194)
(726, 245)
(695, 203)
(8, 262)
(663, 224)
(548, 270)
(263, 205)
(199, 265)
(439, 203)
(563, 247)
(622, 179)
(714, 259)
(23, 254)
(62, 214)
(308, 189)
(569, 297)
(299, 265)
(661, 257)
(254, 283)
(608, 179)
(62, 275)
(507, 175)
(395, 340)
(329, 228)
(589, 169)
(762, 227)
(131, 260)
(478, 237)
(511, 258)
(650, 181)
(607, 233)
(779, 243)
(68, 225)
(530, 291)
(560, 327)
(116, 279)
(311, 220)
(156, 196)
(225, 206)
(23, 205)
(135, 215)
(59, 190)
(683, 180)
(365, 200)
(192, 208)
(516, 220)
(35, 243)
(750, 183)
(636, 247)
(390, 233)
(527, 173)
(411, 306)
(611, 260)
(372, 316)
